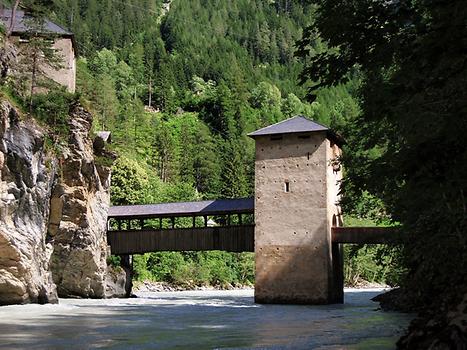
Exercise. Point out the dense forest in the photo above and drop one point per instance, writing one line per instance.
(180, 84)
(407, 145)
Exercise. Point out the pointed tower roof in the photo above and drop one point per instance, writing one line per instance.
(297, 124)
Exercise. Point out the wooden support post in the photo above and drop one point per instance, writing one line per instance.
(194, 221)
(141, 223)
(239, 219)
(228, 219)
(205, 221)
(173, 222)
(119, 225)
(160, 223)
(128, 225)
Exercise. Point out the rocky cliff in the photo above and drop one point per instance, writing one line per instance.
(27, 178)
(53, 212)
(78, 215)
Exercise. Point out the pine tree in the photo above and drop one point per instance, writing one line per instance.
(37, 55)
(234, 180)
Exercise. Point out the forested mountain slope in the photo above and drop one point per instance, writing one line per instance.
(231, 64)
(180, 84)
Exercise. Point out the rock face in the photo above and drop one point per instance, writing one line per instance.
(26, 183)
(53, 214)
(78, 216)
(118, 282)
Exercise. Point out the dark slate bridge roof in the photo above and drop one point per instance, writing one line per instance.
(199, 208)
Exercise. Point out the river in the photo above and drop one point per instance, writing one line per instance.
(200, 320)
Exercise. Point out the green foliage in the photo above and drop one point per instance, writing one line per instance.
(53, 109)
(114, 260)
(129, 182)
(372, 263)
(190, 269)
(407, 148)
(180, 95)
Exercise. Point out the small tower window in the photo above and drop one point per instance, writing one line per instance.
(286, 187)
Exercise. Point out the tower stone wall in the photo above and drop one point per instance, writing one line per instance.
(296, 196)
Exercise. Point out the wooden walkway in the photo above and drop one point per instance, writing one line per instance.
(365, 235)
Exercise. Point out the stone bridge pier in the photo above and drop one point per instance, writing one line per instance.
(297, 176)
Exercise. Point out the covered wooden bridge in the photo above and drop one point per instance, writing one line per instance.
(222, 224)
(298, 256)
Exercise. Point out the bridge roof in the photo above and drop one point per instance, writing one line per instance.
(198, 208)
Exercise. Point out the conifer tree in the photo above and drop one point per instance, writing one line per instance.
(37, 54)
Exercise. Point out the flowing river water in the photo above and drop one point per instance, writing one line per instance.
(200, 320)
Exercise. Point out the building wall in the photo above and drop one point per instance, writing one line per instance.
(65, 76)
(292, 233)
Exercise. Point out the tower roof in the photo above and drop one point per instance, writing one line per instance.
(297, 124)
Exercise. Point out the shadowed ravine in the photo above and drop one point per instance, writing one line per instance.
(200, 320)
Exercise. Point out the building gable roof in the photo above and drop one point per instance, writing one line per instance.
(297, 124)
(20, 24)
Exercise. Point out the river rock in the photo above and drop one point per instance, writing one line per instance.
(26, 183)
(118, 282)
(441, 327)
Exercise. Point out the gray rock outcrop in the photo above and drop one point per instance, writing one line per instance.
(79, 206)
(53, 213)
(26, 183)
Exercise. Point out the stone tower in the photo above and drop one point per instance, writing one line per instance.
(296, 195)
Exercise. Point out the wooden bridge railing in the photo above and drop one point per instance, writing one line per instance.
(239, 238)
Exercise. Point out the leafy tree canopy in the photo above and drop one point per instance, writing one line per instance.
(407, 147)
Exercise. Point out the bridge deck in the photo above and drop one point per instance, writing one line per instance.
(227, 238)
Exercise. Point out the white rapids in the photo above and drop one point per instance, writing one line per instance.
(200, 320)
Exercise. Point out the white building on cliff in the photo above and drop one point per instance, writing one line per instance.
(63, 42)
